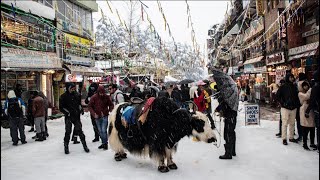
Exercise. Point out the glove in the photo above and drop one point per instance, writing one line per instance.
(306, 115)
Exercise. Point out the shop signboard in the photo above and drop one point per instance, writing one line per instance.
(248, 68)
(280, 74)
(261, 69)
(252, 114)
(78, 60)
(73, 77)
(275, 59)
(23, 58)
(260, 7)
(94, 79)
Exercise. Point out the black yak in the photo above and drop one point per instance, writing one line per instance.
(159, 135)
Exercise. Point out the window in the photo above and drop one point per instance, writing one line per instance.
(61, 10)
(83, 17)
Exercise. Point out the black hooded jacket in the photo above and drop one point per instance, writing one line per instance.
(287, 95)
(315, 93)
(70, 103)
(92, 90)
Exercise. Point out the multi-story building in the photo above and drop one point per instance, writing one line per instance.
(303, 44)
(28, 47)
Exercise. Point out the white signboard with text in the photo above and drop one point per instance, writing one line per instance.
(252, 114)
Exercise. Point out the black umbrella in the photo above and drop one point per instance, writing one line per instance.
(186, 81)
(228, 88)
(169, 83)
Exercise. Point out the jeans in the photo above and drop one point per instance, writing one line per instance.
(17, 124)
(102, 127)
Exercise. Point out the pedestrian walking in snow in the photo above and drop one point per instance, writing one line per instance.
(92, 90)
(70, 106)
(99, 106)
(288, 98)
(302, 78)
(38, 112)
(307, 124)
(15, 110)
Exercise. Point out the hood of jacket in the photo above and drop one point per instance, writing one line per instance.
(69, 86)
(93, 87)
(11, 94)
(287, 78)
(101, 90)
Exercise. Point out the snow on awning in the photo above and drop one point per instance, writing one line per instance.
(87, 71)
(254, 60)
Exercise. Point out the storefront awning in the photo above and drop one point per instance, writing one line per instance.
(86, 71)
(254, 60)
(306, 54)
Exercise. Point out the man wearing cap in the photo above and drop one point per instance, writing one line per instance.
(70, 106)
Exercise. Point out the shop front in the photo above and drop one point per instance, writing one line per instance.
(32, 69)
(275, 62)
(304, 59)
(257, 71)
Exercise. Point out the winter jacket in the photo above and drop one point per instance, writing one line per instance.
(11, 94)
(193, 89)
(287, 95)
(306, 122)
(70, 103)
(38, 107)
(225, 110)
(200, 101)
(100, 105)
(185, 94)
(315, 93)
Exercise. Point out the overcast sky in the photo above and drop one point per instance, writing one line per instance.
(203, 13)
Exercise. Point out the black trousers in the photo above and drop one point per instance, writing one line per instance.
(15, 125)
(280, 124)
(305, 131)
(300, 133)
(77, 130)
(229, 133)
(95, 128)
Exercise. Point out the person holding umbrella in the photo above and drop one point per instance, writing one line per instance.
(228, 99)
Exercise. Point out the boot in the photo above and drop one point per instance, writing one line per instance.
(227, 154)
(31, 130)
(85, 147)
(39, 137)
(66, 148)
(105, 147)
(306, 147)
(278, 135)
(96, 139)
(75, 140)
(233, 153)
(44, 136)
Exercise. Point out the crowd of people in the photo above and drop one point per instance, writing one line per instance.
(298, 100)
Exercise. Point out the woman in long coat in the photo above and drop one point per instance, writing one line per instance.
(307, 124)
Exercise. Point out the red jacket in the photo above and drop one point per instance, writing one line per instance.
(200, 101)
(100, 105)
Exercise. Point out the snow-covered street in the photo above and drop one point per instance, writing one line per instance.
(260, 155)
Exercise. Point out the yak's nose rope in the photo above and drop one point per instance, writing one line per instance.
(219, 132)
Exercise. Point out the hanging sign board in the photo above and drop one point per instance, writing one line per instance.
(73, 78)
(252, 114)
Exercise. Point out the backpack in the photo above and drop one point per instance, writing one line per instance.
(125, 97)
(14, 109)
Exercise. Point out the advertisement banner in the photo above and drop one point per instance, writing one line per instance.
(280, 74)
(73, 77)
(248, 68)
(252, 114)
(23, 58)
(260, 7)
